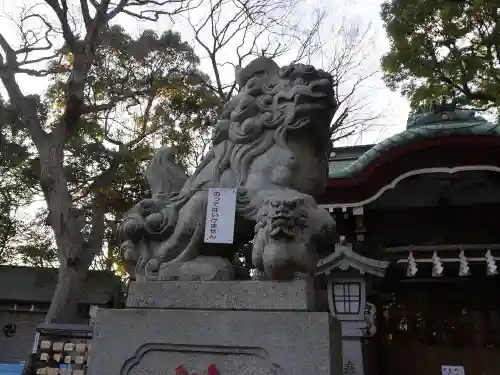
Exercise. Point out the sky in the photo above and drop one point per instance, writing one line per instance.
(394, 107)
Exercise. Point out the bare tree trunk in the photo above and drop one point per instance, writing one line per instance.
(64, 305)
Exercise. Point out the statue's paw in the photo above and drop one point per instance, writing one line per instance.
(130, 251)
(301, 276)
(258, 275)
(202, 268)
(153, 266)
(153, 222)
(131, 226)
(129, 254)
(147, 203)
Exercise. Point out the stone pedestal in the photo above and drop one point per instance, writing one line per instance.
(352, 349)
(242, 327)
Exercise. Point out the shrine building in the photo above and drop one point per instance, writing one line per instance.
(414, 279)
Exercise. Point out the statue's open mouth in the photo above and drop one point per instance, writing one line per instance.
(282, 223)
(317, 95)
(282, 219)
(282, 231)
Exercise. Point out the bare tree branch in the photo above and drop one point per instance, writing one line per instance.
(155, 9)
(230, 32)
(348, 63)
(248, 28)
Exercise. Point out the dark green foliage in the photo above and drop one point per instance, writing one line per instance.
(16, 183)
(35, 246)
(141, 93)
(444, 47)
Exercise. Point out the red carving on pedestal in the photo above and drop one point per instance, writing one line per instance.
(212, 370)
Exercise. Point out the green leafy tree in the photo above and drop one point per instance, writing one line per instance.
(16, 189)
(143, 92)
(112, 100)
(444, 48)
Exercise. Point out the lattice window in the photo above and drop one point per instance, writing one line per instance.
(347, 298)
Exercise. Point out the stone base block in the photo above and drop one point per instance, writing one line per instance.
(296, 295)
(156, 342)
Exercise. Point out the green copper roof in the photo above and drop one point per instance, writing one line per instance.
(460, 123)
(342, 157)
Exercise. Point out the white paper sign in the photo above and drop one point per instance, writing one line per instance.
(34, 350)
(452, 370)
(221, 210)
(370, 319)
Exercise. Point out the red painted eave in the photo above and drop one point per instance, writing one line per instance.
(449, 151)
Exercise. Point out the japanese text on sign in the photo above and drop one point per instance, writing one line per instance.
(221, 210)
(350, 368)
(370, 319)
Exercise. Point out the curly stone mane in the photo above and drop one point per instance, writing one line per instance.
(267, 108)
